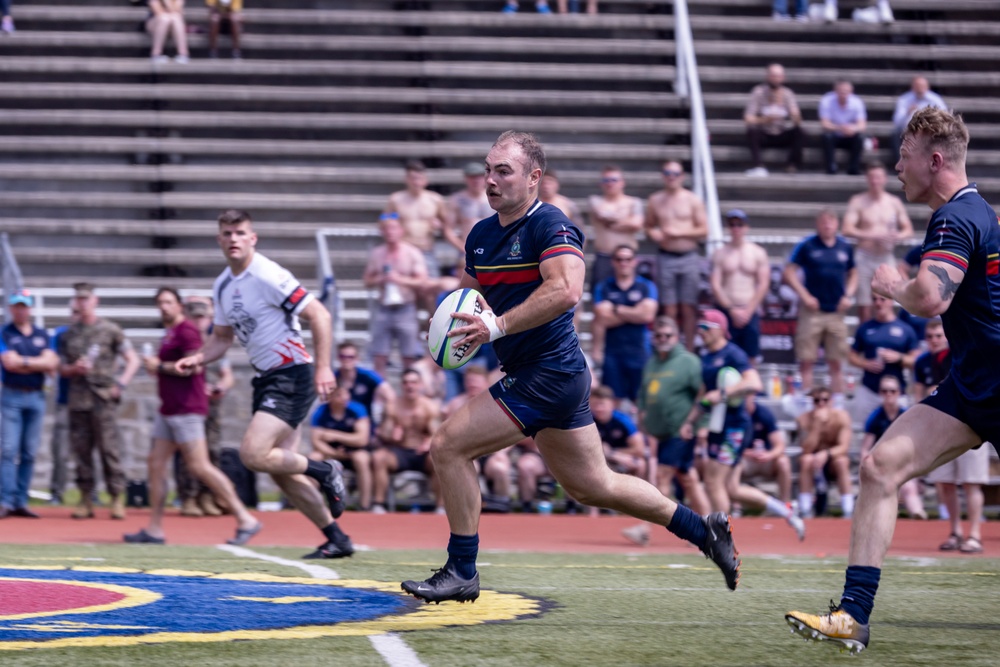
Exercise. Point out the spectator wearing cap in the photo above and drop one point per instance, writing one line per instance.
(615, 220)
(740, 279)
(26, 357)
(826, 290)
(844, 119)
(773, 120)
(89, 352)
(465, 208)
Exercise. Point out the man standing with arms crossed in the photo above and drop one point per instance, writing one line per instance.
(260, 302)
(958, 279)
(527, 260)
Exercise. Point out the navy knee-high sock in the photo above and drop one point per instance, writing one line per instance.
(462, 553)
(687, 525)
(859, 591)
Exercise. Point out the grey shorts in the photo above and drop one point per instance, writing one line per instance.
(866, 264)
(396, 323)
(179, 428)
(600, 270)
(677, 277)
(972, 467)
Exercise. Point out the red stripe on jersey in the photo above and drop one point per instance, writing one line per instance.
(561, 250)
(993, 267)
(514, 277)
(947, 257)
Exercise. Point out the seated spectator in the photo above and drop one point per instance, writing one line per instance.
(773, 120)
(167, 16)
(843, 116)
(7, 22)
(548, 192)
(766, 457)
(825, 434)
(573, 6)
(531, 469)
(512, 7)
(342, 430)
(779, 11)
(367, 388)
(624, 445)
(878, 12)
(917, 97)
(232, 12)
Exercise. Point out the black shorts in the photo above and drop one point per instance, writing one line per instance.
(981, 417)
(407, 459)
(287, 393)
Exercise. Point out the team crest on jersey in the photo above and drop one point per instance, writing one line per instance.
(242, 322)
(515, 248)
(54, 607)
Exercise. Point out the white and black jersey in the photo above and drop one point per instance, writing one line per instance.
(262, 305)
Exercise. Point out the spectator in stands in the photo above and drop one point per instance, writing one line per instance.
(877, 423)
(826, 261)
(779, 10)
(408, 446)
(531, 470)
(883, 346)
(676, 223)
(624, 307)
(180, 425)
(548, 192)
(878, 12)
(573, 6)
(421, 213)
(196, 497)
(615, 220)
(773, 120)
(367, 388)
(342, 430)
(7, 21)
(167, 16)
(825, 434)
(878, 220)
(971, 469)
(843, 117)
(464, 209)
(740, 279)
(397, 268)
(59, 444)
(512, 7)
(917, 97)
(89, 352)
(767, 455)
(230, 11)
(26, 357)
(624, 445)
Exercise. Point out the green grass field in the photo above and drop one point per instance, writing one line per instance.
(601, 610)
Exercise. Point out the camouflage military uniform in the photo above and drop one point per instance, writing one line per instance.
(92, 419)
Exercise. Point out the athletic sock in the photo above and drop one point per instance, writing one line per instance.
(318, 470)
(775, 506)
(847, 504)
(462, 553)
(687, 525)
(805, 503)
(333, 533)
(859, 591)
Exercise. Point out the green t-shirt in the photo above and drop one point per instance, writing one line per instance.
(669, 389)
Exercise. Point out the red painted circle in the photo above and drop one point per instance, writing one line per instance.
(35, 597)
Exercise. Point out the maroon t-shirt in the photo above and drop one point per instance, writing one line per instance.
(182, 395)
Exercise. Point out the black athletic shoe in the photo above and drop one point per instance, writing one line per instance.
(332, 549)
(444, 584)
(332, 487)
(720, 548)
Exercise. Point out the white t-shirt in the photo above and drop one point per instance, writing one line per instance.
(262, 305)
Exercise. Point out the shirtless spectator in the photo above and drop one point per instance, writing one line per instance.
(408, 448)
(615, 220)
(825, 434)
(398, 270)
(421, 213)
(676, 223)
(548, 192)
(531, 469)
(741, 278)
(773, 120)
(465, 208)
(878, 220)
(232, 12)
(342, 431)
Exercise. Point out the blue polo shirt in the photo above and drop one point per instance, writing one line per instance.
(617, 430)
(31, 345)
(631, 340)
(878, 421)
(764, 424)
(363, 389)
(352, 413)
(825, 269)
(931, 368)
(895, 335)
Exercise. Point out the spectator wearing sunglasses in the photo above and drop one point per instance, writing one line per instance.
(825, 436)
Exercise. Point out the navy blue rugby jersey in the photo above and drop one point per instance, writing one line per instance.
(506, 262)
(965, 233)
(617, 430)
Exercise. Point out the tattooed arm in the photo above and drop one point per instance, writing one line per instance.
(930, 293)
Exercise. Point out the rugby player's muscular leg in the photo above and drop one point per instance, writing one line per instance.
(262, 447)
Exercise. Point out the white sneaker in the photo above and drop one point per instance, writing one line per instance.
(378, 509)
(885, 12)
(159, 60)
(829, 13)
(182, 60)
(778, 16)
(802, 18)
(8, 25)
(638, 534)
(756, 172)
(798, 525)
(866, 15)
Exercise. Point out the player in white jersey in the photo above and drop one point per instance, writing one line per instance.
(260, 302)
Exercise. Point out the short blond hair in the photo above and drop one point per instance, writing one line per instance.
(945, 132)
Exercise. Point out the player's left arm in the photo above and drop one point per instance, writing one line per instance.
(929, 294)
(321, 325)
(561, 289)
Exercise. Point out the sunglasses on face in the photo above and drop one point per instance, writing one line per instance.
(672, 173)
(347, 356)
(821, 400)
(623, 259)
(705, 326)
(664, 336)
(888, 391)
(610, 179)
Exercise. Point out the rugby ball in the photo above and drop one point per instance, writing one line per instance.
(727, 377)
(440, 345)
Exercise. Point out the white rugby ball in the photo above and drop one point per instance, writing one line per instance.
(440, 345)
(727, 377)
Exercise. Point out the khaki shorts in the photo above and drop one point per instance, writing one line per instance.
(972, 467)
(179, 428)
(866, 263)
(815, 328)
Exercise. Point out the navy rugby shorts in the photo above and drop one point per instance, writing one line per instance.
(536, 398)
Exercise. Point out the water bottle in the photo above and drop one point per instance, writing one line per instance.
(544, 507)
(391, 295)
(93, 352)
(147, 349)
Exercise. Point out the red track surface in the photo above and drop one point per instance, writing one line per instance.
(514, 532)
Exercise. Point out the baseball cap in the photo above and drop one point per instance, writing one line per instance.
(737, 213)
(473, 169)
(23, 298)
(714, 319)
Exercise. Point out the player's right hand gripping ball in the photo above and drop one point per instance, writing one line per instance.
(440, 345)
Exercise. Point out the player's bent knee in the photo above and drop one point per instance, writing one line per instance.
(875, 475)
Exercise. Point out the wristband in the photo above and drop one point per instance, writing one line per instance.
(490, 320)
(162, 368)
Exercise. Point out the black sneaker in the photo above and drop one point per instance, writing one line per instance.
(332, 549)
(332, 487)
(720, 548)
(444, 584)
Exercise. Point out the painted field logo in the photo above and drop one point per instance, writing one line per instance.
(93, 606)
